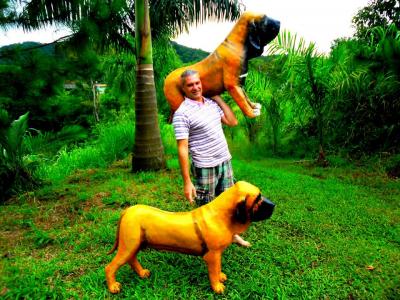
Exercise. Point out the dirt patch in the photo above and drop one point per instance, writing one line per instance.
(9, 240)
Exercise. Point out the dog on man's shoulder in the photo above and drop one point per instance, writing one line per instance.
(226, 68)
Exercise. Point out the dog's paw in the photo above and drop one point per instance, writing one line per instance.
(218, 288)
(115, 287)
(222, 277)
(240, 241)
(144, 273)
(257, 106)
(256, 109)
(245, 244)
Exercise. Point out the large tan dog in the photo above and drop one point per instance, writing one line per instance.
(204, 231)
(226, 68)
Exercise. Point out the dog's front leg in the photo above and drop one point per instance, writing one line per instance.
(213, 261)
(249, 108)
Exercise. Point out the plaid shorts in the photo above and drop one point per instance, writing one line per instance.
(210, 182)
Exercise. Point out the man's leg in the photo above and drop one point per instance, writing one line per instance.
(205, 183)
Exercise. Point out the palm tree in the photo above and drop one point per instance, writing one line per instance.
(301, 64)
(367, 88)
(148, 153)
(105, 23)
(7, 13)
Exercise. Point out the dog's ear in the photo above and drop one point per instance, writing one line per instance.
(254, 36)
(254, 46)
(241, 215)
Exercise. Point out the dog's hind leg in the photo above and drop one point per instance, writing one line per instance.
(137, 267)
(122, 257)
(127, 250)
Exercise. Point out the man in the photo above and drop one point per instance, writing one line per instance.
(198, 130)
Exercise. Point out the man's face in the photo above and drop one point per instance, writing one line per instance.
(192, 88)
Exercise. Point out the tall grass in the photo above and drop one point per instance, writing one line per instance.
(114, 141)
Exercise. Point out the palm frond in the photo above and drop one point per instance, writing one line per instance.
(109, 22)
(15, 135)
(288, 43)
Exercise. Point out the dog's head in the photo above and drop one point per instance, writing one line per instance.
(261, 31)
(252, 206)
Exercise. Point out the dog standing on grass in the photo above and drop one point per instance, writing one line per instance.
(205, 231)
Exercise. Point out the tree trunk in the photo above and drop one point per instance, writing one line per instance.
(322, 161)
(148, 153)
(95, 102)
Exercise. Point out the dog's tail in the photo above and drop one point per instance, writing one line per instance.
(117, 235)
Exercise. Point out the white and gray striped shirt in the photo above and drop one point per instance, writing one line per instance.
(200, 123)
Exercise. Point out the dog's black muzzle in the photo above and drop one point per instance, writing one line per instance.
(273, 25)
(262, 209)
(271, 29)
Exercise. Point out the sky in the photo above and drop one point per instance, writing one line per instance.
(319, 21)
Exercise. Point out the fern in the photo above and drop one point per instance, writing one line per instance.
(14, 173)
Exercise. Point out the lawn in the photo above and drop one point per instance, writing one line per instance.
(334, 235)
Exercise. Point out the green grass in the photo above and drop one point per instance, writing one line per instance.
(114, 140)
(334, 235)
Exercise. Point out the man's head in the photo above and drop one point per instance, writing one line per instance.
(191, 85)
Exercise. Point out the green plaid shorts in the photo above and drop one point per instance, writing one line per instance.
(210, 182)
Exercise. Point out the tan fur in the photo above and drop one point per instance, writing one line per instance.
(219, 71)
(205, 231)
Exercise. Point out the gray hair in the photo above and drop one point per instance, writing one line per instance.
(188, 73)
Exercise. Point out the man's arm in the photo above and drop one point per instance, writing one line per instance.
(229, 117)
(183, 156)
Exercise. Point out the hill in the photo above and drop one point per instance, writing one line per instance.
(187, 54)
(8, 50)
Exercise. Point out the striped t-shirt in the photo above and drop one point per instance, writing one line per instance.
(200, 123)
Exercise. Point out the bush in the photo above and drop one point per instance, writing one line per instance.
(114, 141)
(15, 171)
(393, 166)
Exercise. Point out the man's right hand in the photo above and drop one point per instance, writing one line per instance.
(190, 191)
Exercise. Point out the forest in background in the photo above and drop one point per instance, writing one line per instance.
(335, 108)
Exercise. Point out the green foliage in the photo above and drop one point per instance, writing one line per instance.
(7, 13)
(114, 140)
(366, 83)
(165, 61)
(33, 79)
(120, 77)
(103, 24)
(377, 13)
(15, 171)
(351, 96)
(307, 72)
(393, 166)
(189, 55)
(38, 77)
(261, 90)
(41, 238)
(49, 143)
